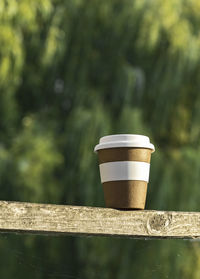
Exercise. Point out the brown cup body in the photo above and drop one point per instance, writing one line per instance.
(129, 194)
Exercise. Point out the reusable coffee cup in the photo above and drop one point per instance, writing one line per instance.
(124, 163)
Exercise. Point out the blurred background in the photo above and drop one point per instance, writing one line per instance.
(74, 71)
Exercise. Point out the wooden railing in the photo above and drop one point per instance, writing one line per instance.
(81, 220)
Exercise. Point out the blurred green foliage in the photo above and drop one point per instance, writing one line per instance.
(73, 71)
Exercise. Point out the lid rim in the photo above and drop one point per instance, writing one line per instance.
(108, 146)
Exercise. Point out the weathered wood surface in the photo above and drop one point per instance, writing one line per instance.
(80, 220)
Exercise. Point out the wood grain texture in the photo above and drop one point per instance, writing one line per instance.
(80, 220)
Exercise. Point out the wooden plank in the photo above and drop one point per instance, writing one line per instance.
(80, 220)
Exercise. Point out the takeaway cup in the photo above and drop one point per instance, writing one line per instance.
(124, 163)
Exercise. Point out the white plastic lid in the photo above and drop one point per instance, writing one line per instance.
(124, 140)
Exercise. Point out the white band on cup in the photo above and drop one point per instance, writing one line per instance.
(124, 170)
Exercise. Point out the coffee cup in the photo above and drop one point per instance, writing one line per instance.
(124, 163)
